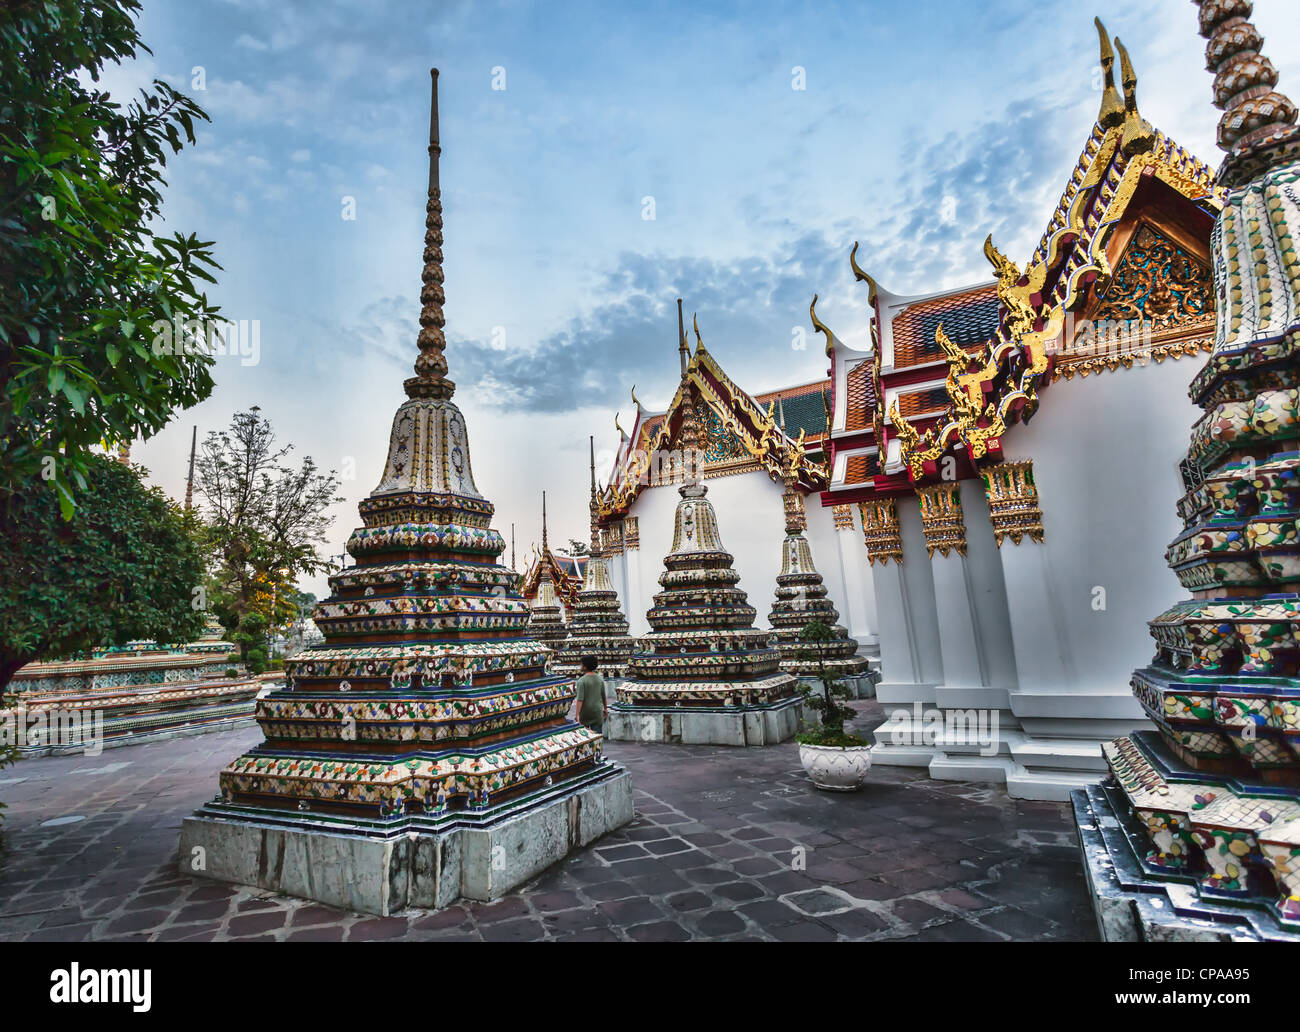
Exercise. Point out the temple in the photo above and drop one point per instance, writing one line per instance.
(991, 570)
(1195, 832)
(703, 674)
(545, 615)
(422, 752)
(598, 628)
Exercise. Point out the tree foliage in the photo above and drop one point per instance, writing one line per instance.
(83, 278)
(125, 567)
(264, 523)
(828, 702)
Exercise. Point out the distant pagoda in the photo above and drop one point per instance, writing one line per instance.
(546, 615)
(704, 674)
(1196, 832)
(421, 753)
(801, 599)
(598, 627)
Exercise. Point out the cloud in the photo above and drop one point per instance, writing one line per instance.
(747, 308)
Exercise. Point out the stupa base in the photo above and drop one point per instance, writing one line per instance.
(380, 867)
(705, 725)
(1135, 902)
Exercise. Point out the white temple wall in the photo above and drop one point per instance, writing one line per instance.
(988, 592)
(1105, 451)
(910, 654)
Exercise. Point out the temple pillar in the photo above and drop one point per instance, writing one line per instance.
(854, 570)
(910, 656)
(632, 564)
(974, 727)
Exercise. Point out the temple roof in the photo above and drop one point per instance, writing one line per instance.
(1000, 342)
(740, 433)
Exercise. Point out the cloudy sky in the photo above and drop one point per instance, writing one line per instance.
(919, 128)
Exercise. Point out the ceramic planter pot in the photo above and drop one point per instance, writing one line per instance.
(836, 768)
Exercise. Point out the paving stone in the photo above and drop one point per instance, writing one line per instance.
(710, 852)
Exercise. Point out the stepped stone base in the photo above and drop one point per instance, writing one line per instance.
(862, 686)
(362, 867)
(732, 725)
(1134, 902)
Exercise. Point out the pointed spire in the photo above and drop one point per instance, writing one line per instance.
(682, 350)
(430, 379)
(1258, 127)
(688, 437)
(512, 548)
(1137, 134)
(780, 412)
(1112, 108)
(594, 506)
(189, 480)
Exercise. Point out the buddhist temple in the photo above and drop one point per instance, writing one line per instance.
(703, 674)
(598, 628)
(421, 753)
(1195, 832)
(545, 615)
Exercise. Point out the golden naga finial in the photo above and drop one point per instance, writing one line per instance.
(862, 277)
(908, 439)
(695, 324)
(635, 401)
(1112, 108)
(1137, 134)
(621, 431)
(820, 326)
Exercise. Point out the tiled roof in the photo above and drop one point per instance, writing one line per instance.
(970, 319)
(861, 397)
(858, 468)
(803, 406)
(917, 403)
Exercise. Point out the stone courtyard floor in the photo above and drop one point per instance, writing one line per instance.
(727, 844)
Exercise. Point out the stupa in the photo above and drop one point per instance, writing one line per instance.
(546, 616)
(801, 598)
(598, 627)
(704, 674)
(421, 753)
(1195, 834)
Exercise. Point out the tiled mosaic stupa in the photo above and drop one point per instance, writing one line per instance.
(420, 753)
(1196, 832)
(704, 674)
(546, 615)
(598, 628)
(801, 598)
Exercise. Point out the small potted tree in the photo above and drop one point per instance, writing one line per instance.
(834, 759)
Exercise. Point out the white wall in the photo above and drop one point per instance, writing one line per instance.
(1105, 451)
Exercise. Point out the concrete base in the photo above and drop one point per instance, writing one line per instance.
(416, 867)
(1135, 904)
(861, 687)
(723, 726)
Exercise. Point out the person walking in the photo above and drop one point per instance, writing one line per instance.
(589, 700)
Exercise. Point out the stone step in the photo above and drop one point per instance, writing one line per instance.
(1078, 754)
(1051, 785)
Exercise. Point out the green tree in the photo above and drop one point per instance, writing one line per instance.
(85, 284)
(264, 522)
(123, 568)
(828, 701)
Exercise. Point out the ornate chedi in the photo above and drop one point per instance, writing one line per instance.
(598, 628)
(704, 674)
(545, 615)
(422, 752)
(801, 598)
(1207, 841)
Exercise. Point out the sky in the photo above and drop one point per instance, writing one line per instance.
(598, 162)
